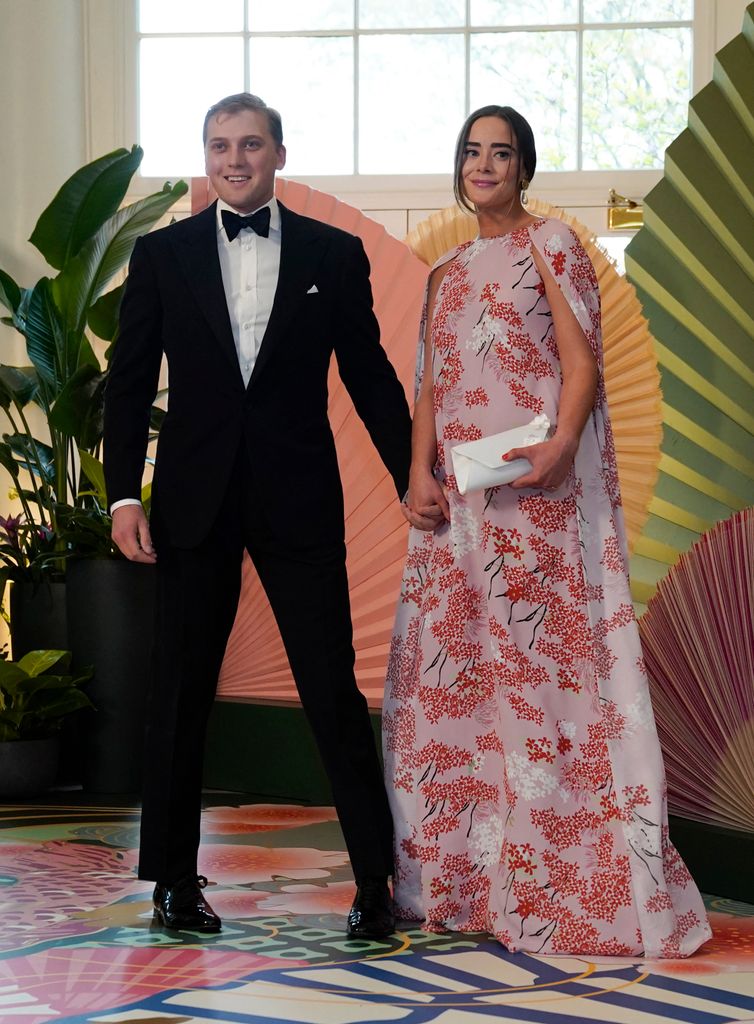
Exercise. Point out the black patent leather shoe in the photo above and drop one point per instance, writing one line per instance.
(182, 906)
(371, 916)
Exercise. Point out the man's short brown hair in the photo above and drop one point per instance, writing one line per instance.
(246, 101)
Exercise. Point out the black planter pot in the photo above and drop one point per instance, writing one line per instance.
(38, 618)
(38, 623)
(28, 767)
(110, 607)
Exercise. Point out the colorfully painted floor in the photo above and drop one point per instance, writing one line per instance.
(77, 945)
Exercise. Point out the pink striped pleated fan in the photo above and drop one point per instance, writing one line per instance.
(255, 665)
(698, 639)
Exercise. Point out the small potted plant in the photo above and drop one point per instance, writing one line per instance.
(37, 694)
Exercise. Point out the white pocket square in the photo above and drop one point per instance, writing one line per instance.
(313, 290)
(477, 464)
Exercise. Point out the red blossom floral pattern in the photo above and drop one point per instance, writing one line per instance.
(528, 798)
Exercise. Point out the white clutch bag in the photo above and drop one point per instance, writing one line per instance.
(478, 465)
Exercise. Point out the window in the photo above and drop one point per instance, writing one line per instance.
(379, 87)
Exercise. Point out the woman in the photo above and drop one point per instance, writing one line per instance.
(525, 774)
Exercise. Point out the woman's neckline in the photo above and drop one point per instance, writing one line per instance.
(513, 231)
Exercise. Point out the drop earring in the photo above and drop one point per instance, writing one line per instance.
(524, 197)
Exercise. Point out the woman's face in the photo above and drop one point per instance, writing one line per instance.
(490, 171)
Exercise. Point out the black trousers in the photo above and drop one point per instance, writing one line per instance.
(198, 592)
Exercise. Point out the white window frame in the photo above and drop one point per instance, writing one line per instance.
(111, 107)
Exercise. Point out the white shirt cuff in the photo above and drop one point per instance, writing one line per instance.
(122, 502)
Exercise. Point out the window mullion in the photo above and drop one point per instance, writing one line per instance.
(467, 84)
(580, 91)
(246, 47)
(356, 55)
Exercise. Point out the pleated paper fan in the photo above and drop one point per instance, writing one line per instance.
(698, 641)
(692, 264)
(632, 378)
(255, 664)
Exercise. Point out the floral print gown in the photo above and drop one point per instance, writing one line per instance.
(522, 761)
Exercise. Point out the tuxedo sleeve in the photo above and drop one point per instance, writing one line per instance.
(366, 371)
(133, 379)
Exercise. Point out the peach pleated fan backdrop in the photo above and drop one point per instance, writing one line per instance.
(255, 665)
(632, 379)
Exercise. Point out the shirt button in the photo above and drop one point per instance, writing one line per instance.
(247, 326)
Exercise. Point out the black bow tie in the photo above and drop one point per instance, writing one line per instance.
(234, 222)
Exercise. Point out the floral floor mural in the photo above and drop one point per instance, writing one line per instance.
(77, 944)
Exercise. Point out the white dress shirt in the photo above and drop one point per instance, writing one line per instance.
(250, 267)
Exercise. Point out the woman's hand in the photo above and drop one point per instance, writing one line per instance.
(551, 463)
(426, 505)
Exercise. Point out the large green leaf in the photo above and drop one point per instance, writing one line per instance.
(102, 317)
(48, 705)
(33, 455)
(19, 384)
(7, 460)
(79, 409)
(83, 204)
(10, 293)
(10, 676)
(94, 471)
(86, 276)
(36, 662)
(45, 336)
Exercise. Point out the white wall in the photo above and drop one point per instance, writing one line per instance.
(42, 138)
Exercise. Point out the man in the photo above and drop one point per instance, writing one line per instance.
(248, 301)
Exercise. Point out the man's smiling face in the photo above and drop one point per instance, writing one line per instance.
(241, 157)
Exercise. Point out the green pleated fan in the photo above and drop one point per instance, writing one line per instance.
(692, 265)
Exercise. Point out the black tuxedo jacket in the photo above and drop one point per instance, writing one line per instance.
(175, 303)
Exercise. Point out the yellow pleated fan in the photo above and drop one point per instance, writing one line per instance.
(632, 379)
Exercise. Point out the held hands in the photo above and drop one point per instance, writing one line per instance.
(425, 506)
(551, 463)
(131, 534)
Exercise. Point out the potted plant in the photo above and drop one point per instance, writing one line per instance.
(37, 694)
(87, 237)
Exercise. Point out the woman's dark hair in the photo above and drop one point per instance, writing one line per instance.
(522, 133)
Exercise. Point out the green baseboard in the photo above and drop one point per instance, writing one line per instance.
(267, 748)
(720, 859)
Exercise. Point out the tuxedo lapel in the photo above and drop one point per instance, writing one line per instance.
(196, 250)
(301, 250)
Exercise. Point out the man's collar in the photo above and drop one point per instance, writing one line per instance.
(274, 213)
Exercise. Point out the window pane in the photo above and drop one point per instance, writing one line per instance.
(419, 14)
(411, 103)
(636, 91)
(512, 12)
(535, 72)
(314, 97)
(297, 15)
(200, 72)
(638, 10)
(190, 16)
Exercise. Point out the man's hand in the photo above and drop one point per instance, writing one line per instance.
(131, 534)
(426, 505)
